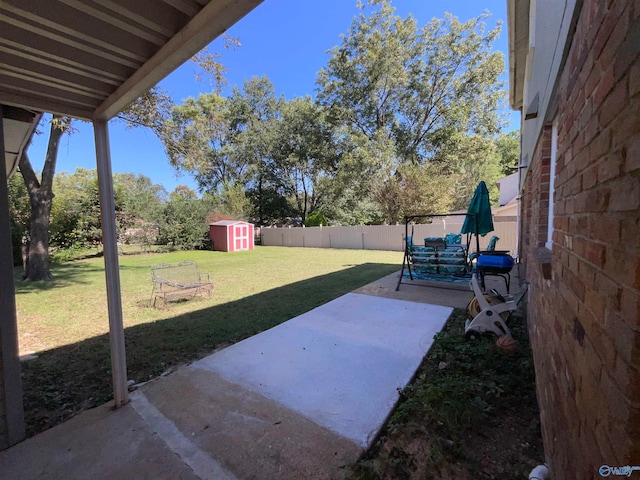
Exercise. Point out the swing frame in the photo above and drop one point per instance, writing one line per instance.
(407, 261)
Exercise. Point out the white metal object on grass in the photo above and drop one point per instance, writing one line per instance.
(489, 319)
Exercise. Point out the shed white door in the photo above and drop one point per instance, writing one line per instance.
(241, 236)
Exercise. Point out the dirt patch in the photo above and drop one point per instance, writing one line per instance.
(507, 446)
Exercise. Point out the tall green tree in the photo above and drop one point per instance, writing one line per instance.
(466, 160)
(142, 204)
(224, 142)
(414, 190)
(254, 112)
(414, 85)
(141, 198)
(75, 213)
(362, 168)
(196, 139)
(305, 152)
(410, 90)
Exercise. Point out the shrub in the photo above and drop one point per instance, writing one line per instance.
(316, 219)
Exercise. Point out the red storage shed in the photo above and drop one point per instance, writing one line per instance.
(231, 235)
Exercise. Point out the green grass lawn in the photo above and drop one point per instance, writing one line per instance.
(65, 320)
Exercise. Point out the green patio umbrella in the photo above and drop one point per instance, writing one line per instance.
(481, 222)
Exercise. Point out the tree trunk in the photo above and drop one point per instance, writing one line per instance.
(41, 197)
(38, 256)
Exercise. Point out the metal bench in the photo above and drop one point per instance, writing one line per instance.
(174, 282)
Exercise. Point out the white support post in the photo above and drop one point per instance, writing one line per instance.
(110, 244)
(12, 415)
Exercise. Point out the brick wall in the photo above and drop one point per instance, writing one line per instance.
(3, 410)
(584, 316)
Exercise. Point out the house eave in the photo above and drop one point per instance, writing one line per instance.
(518, 28)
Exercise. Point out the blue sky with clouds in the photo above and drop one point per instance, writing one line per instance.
(286, 40)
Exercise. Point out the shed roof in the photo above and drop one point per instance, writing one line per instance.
(228, 222)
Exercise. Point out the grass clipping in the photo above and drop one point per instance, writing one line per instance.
(471, 413)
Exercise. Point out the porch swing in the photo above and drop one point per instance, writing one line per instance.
(444, 260)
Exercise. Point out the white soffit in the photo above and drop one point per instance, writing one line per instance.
(518, 28)
(91, 58)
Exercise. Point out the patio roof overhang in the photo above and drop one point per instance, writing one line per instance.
(18, 125)
(518, 28)
(87, 59)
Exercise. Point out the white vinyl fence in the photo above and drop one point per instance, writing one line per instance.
(381, 237)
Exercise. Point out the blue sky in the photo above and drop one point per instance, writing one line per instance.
(286, 40)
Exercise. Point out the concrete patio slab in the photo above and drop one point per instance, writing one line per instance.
(208, 421)
(101, 443)
(434, 293)
(341, 364)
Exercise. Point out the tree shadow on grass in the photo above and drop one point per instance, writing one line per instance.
(63, 275)
(63, 381)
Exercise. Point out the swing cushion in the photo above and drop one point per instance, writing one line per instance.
(453, 238)
(452, 260)
(424, 259)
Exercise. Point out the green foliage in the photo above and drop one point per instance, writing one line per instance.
(316, 219)
(415, 189)
(235, 202)
(416, 85)
(75, 212)
(306, 153)
(145, 214)
(268, 205)
(72, 252)
(20, 215)
(230, 141)
(195, 138)
(362, 166)
(416, 94)
(466, 160)
(184, 225)
(153, 109)
(473, 383)
(405, 121)
(209, 66)
(508, 145)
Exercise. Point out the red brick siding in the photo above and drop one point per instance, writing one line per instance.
(3, 410)
(584, 321)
